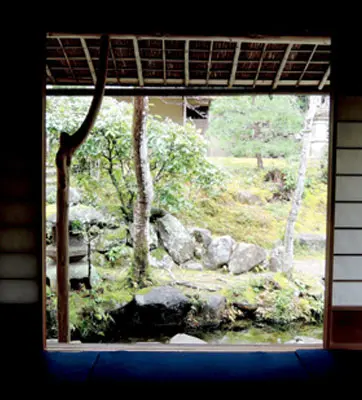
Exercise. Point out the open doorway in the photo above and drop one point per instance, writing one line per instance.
(223, 193)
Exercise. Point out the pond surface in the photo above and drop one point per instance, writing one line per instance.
(255, 335)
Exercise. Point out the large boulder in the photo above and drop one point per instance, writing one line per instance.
(215, 306)
(202, 236)
(245, 257)
(165, 262)
(175, 239)
(153, 244)
(82, 214)
(182, 338)
(160, 311)
(219, 252)
(311, 241)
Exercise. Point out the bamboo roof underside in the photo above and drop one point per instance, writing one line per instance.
(181, 64)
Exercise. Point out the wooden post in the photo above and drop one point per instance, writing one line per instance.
(67, 146)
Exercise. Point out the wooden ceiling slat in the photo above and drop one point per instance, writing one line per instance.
(235, 64)
(144, 61)
(282, 65)
(324, 79)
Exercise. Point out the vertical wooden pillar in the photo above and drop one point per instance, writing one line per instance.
(343, 327)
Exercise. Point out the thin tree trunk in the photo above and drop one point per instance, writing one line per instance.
(142, 209)
(68, 145)
(298, 193)
(259, 159)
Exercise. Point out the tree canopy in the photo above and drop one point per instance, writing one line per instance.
(177, 153)
(252, 125)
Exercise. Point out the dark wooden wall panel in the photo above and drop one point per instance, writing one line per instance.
(343, 327)
(22, 198)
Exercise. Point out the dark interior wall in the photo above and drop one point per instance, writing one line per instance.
(344, 301)
(21, 196)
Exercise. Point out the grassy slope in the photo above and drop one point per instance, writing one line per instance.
(259, 224)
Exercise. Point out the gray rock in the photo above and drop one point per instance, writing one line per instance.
(78, 271)
(193, 266)
(215, 306)
(311, 241)
(245, 257)
(161, 311)
(166, 296)
(246, 197)
(175, 239)
(152, 236)
(76, 253)
(219, 252)
(202, 236)
(82, 214)
(182, 338)
(276, 261)
(199, 252)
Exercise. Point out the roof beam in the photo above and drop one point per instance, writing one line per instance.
(187, 47)
(66, 59)
(260, 64)
(209, 62)
(191, 61)
(324, 79)
(321, 40)
(189, 91)
(49, 73)
(89, 60)
(222, 83)
(114, 61)
(164, 61)
(138, 61)
(282, 65)
(307, 64)
(235, 64)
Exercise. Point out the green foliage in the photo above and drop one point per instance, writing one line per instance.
(104, 163)
(117, 253)
(264, 223)
(281, 301)
(257, 125)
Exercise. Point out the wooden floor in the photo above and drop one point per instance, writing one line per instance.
(79, 347)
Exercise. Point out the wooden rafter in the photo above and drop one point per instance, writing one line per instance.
(209, 62)
(235, 64)
(114, 61)
(321, 40)
(187, 76)
(164, 61)
(138, 61)
(66, 58)
(307, 64)
(49, 73)
(324, 79)
(89, 60)
(282, 65)
(192, 61)
(260, 64)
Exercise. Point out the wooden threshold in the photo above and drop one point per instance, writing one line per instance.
(222, 348)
